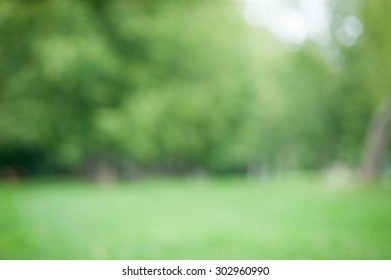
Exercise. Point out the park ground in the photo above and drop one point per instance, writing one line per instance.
(194, 218)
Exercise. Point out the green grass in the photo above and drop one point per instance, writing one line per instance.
(194, 219)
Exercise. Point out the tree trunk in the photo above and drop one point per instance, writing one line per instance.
(105, 173)
(101, 169)
(377, 139)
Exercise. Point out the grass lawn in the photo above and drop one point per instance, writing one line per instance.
(194, 219)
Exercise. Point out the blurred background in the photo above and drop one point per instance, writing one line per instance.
(122, 90)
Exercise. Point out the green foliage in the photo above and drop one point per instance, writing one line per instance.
(181, 85)
(364, 81)
(190, 94)
(126, 77)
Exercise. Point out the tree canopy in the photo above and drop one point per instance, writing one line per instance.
(178, 86)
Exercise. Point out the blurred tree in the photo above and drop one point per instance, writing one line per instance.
(58, 68)
(157, 83)
(102, 86)
(376, 67)
(191, 93)
(361, 30)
